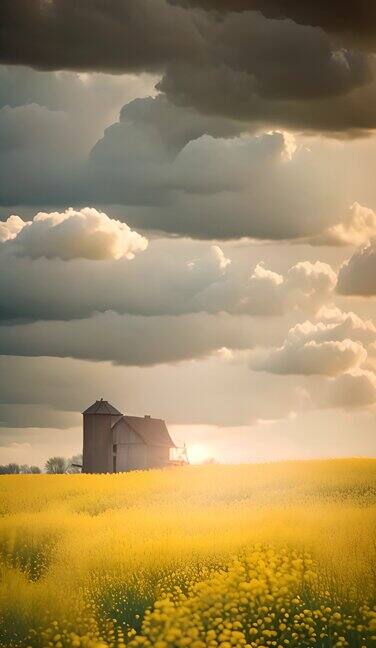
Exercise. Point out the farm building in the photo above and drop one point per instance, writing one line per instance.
(114, 442)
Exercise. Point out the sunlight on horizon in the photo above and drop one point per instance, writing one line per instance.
(198, 453)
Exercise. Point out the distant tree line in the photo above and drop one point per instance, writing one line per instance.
(16, 469)
(53, 465)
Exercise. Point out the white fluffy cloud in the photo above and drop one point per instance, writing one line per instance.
(10, 228)
(357, 227)
(337, 327)
(309, 285)
(87, 233)
(304, 287)
(319, 348)
(326, 358)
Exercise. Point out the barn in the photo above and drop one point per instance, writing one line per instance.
(115, 442)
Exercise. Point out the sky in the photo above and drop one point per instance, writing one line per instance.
(188, 224)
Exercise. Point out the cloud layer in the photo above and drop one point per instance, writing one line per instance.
(169, 168)
(358, 275)
(354, 389)
(130, 339)
(86, 256)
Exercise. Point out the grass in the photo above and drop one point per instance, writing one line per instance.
(277, 555)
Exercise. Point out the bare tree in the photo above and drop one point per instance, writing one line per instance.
(56, 465)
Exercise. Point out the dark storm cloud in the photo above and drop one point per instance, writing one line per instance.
(175, 127)
(355, 19)
(221, 90)
(104, 35)
(281, 59)
(243, 66)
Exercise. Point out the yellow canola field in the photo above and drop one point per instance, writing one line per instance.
(266, 555)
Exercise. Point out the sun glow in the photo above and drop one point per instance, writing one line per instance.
(198, 453)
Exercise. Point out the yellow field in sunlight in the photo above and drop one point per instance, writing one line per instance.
(277, 555)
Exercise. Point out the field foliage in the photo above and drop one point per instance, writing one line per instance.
(263, 555)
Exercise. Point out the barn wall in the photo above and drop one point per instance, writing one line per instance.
(122, 433)
(131, 456)
(129, 451)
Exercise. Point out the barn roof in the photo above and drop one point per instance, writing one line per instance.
(102, 407)
(152, 431)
